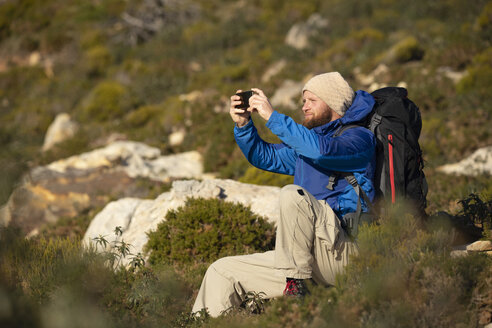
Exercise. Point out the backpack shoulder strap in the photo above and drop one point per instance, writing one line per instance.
(349, 177)
(344, 128)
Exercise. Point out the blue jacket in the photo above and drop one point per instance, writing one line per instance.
(312, 155)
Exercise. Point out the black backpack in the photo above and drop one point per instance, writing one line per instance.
(396, 122)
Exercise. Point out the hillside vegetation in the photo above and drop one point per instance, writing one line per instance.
(146, 68)
(87, 58)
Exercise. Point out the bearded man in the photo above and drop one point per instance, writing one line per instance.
(310, 241)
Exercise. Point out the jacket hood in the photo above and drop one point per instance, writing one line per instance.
(361, 107)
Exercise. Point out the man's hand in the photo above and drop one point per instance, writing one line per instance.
(259, 102)
(240, 116)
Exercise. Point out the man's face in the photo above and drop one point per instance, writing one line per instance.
(316, 111)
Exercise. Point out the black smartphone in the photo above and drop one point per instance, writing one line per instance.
(245, 95)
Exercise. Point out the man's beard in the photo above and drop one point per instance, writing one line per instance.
(313, 121)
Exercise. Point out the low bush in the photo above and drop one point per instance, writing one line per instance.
(204, 230)
(408, 49)
(478, 80)
(108, 100)
(142, 115)
(60, 283)
(97, 59)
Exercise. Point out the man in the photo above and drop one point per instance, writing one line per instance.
(310, 242)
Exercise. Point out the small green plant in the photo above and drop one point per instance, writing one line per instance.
(117, 250)
(254, 302)
(204, 230)
(478, 212)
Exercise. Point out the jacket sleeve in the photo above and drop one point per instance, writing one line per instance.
(276, 158)
(348, 152)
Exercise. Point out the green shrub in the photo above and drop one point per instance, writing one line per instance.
(408, 49)
(484, 21)
(204, 230)
(108, 100)
(142, 115)
(98, 59)
(478, 212)
(91, 38)
(478, 81)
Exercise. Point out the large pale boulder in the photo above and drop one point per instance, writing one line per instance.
(61, 129)
(287, 93)
(137, 217)
(299, 34)
(480, 162)
(69, 187)
(136, 159)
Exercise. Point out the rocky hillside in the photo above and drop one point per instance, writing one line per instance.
(114, 112)
(161, 71)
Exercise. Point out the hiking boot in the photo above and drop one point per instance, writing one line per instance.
(296, 288)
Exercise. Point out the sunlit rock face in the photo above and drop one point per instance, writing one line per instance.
(68, 187)
(136, 217)
(479, 163)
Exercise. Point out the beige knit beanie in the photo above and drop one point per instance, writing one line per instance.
(333, 90)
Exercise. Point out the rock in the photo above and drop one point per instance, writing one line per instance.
(402, 84)
(136, 159)
(177, 137)
(195, 66)
(484, 318)
(480, 246)
(137, 217)
(285, 95)
(151, 16)
(108, 139)
(451, 74)
(116, 214)
(273, 70)
(192, 96)
(299, 34)
(34, 58)
(374, 86)
(61, 129)
(458, 253)
(378, 74)
(69, 187)
(480, 162)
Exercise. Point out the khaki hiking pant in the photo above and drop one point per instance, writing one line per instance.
(310, 243)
